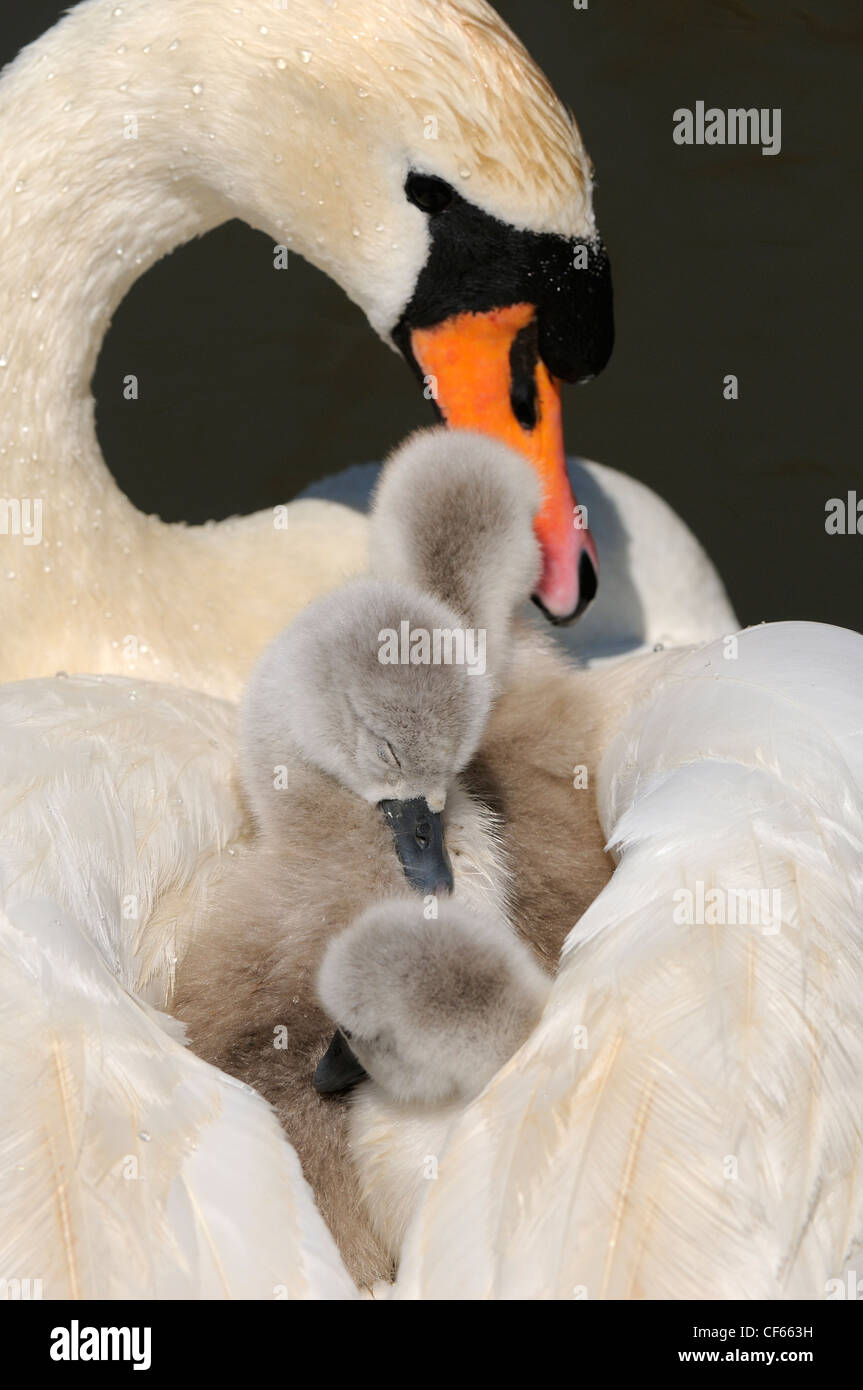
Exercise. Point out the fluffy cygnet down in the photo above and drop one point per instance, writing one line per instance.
(351, 766)
(324, 693)
(431, 1006)
(347, 763)
(453, 514)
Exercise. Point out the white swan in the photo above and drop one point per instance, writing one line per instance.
(116, 801)
(127, 129)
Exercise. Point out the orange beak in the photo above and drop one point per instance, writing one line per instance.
(485, 373)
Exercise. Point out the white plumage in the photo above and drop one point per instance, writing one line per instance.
(685, 1121)
(128, 1167)
(129, 129)
(706, 1136)
(701, 1137)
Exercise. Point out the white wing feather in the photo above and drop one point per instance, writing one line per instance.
(128, 1167)
(685, 1122)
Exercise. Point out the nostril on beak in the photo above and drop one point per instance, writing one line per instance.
(588, 582)
(420, 844)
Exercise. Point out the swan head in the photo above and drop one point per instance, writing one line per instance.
(411, 149)
(361, 687)
(417, 155)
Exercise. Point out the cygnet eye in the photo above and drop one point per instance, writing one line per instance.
(428, 193)
(387, 755)
(422, 834)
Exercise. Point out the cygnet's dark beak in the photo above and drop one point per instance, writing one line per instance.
(338, 1070)
(419, 841)
(418, 835)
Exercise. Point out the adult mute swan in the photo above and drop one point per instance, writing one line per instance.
(413, 152)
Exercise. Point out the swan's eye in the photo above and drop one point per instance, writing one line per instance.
(428, 193)
(422, 834)
(387, 754)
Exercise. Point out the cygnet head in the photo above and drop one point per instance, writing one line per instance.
(346, 687)
(453, 513)
(430, 1009)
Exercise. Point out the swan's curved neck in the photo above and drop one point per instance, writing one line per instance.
(104, 169)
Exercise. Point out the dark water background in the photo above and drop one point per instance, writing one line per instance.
(724, 261)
